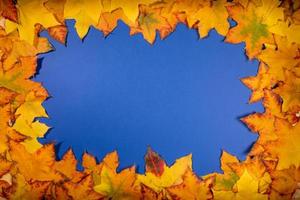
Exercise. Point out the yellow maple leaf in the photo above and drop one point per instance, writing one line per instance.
(37, 166)
(290, 92)
(247, 187)
(85, 12)
(192, 188)
(253, 24)
(285, 29)
(214, 16)
(115, 185)
(30, 14)
(148, 22)
(26, 123)
(284, 57)
(263, 123)
(159, 176)
(287, 144)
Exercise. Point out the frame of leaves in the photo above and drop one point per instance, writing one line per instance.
(269, 28)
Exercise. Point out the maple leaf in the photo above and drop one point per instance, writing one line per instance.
(115, 185)
(67, 167)
(287, 144)
(28, 191)
(109, 20)
(14, 49)
(259, 83)
(212, 16)
(192, 188)
(264, 123)
(285, 29)
(290, 92)
(284, 57)
(26, 123)
(37, 166)
(30, 14)
(253, 23)
(233, 169)
(8, 10)
(159, 176)
(82, 190)
(89, 163)
(227, 180)
(173, 14)
(35, 174)
(148, 22)
(247, 187)
(85, 12)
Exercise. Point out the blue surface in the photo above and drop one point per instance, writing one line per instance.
(179, 96)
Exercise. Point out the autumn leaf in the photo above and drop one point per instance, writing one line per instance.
(159, 176)
(247, 187)
(148, 22)
(109, 21)
(283, 57)
(212, 17)
(14, 50)
(37, 166)
(115, 185)
(290, 92)
(264, 123)
(82, 190)
(30, 14)
(259, 83)
(270, 29)
(192, 188)
(253, 25)
(285, 145)
(67, 167)
(26, 123)
(85, 12)
(285, 29)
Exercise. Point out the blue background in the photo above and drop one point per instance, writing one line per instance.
(181, 95)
